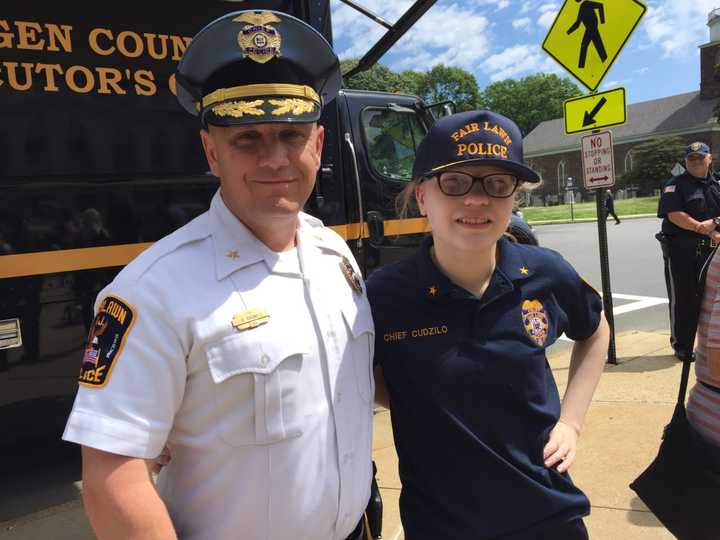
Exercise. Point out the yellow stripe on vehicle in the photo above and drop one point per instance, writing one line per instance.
(70, 260)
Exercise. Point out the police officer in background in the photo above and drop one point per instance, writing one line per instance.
(243, 340)
(690, 209)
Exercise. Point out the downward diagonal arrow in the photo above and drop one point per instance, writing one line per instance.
(590, 116)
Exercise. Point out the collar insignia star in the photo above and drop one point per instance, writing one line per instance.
(232, 254)
(524, 271)
(432, 291)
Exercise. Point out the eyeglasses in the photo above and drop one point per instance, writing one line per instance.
(496, 185)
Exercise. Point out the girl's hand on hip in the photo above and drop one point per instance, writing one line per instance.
(561, 447)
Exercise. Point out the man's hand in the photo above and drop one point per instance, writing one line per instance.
(715, 237)
(159, 462)
(706, 227)
(561, 447)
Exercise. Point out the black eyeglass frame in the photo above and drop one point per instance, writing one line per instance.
(476, 179)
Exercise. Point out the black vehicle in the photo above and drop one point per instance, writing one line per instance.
(98, 160)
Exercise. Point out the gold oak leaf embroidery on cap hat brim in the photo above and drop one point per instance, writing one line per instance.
(238, 109)
(294, 106)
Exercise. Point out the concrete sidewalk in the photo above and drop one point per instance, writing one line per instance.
(621, 436)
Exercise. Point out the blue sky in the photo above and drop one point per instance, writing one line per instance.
(498, 39)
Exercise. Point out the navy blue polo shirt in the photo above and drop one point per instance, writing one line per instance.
(472, 396)
(697, 197)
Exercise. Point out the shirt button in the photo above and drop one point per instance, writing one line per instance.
(264, 359)
(338, 397)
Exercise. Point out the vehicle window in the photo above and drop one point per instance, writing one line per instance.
(391, 139)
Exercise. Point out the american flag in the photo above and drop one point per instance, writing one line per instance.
(90, 357)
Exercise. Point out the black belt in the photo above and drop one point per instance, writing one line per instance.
(710, 387)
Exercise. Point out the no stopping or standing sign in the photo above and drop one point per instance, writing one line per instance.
(597, 160)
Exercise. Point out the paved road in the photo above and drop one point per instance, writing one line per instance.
(636, 267)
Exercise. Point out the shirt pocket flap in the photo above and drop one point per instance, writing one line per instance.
(236, 354)
(358, 320)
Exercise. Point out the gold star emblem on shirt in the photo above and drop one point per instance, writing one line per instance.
(232, 254)
(524, 271)
(432, 291)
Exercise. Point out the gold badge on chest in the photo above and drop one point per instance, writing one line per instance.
(351, 276)
(250, 318)
(535, 320)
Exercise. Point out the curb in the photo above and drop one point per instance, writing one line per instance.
(585, 220)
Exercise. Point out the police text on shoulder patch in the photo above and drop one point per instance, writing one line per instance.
(108, 331)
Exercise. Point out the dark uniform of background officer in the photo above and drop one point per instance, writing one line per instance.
(689, 206)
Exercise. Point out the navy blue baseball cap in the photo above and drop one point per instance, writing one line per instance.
(697, 148)
(251, 67)
(472, 138)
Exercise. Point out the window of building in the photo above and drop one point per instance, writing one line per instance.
(628, 161)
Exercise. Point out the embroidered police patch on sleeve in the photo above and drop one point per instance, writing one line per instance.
(106, 338)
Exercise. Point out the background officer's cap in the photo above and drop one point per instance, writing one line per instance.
(472, 138)
(251, 67)
(697, 148)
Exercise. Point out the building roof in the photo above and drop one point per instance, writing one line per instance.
(664, 117)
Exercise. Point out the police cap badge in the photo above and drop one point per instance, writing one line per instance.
(251, 67)
(472, 138)
(697, 148)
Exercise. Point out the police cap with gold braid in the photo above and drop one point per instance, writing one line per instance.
(472, 138)
(251, 67)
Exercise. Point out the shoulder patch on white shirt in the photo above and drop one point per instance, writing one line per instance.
(114, 319)
(669, 189)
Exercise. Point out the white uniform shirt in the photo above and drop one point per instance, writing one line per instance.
(269, 427)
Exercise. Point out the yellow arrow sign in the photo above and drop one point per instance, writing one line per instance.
(587, 36)
(595, 111)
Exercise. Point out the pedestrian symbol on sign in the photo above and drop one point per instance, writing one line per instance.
(587, 36)
(588, 18)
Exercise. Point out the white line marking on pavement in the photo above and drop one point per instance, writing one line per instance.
(397, 534)
(639, 302)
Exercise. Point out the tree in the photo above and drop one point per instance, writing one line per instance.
(530, 100)
(444, 82)
(412, 81)
(379, 78)
(652, 162)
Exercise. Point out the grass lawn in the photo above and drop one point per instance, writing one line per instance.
(625, 207)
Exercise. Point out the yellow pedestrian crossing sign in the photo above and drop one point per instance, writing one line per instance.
(595, 111)
(587, 36)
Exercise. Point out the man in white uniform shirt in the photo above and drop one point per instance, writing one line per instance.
(243, 340)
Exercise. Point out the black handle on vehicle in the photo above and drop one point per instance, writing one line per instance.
(376, 228)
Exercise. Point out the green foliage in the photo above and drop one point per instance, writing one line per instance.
(652, 162)
(379, 78)
(530, 100)
(411, 81)
(443, 82)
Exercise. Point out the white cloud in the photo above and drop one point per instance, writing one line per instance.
(642, 70)
(525, 7)
(519, 60)
(609, 84)
(450, 34)
(521, 23)
(677, 28)
(500, 4)
(548, 12)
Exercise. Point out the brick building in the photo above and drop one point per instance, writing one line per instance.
(690, 116)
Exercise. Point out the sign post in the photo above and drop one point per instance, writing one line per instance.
(599, 174)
